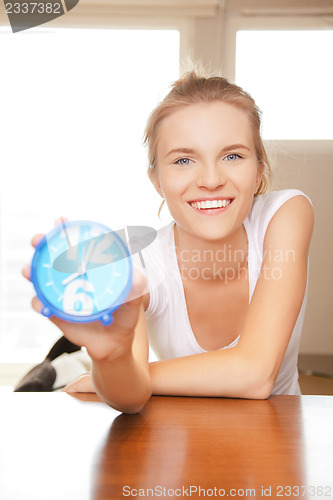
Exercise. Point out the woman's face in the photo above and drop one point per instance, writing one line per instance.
(207, 168)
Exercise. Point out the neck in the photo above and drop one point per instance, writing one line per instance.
(202, 260)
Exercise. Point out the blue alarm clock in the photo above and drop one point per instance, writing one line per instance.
(81, 272)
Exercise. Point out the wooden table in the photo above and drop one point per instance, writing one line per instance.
(54, 446)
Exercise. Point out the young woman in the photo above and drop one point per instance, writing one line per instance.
(223, 297)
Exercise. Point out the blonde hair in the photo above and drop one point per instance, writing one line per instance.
(195, 89)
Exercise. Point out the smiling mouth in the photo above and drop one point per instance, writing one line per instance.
(210, 204)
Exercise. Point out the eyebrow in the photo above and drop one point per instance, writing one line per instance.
(232, 147)
(187, 151)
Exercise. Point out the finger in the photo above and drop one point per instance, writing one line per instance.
(26, 271)
(36, 304)
(36, 239)
(60, 220)
(80, 384)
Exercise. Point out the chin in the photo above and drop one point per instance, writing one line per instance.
(210, 235)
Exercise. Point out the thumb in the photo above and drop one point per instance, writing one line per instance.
(139, 287)
(126, 316)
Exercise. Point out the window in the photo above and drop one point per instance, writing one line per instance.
(75, 103)
(289, 74)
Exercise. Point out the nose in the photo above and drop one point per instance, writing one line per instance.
(211, 176)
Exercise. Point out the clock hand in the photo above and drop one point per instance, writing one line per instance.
(85, 262)
(70, 278)
(64, 228)
(87, 255)
(82, 268)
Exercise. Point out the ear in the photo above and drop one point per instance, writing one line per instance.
(260, 172)
(152, 174)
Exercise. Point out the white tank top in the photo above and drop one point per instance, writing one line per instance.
(169, 329)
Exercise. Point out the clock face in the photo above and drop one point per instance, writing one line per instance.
(81, 272)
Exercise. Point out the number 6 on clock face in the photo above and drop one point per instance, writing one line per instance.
(81, 272)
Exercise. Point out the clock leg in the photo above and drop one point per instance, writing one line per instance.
(107, 319)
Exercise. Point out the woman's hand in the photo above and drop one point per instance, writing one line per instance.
(102, 342)
(82, 383)
(119, 351)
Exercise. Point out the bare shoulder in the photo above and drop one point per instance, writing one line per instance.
(292, 223)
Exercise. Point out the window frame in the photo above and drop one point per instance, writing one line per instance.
(241, 22)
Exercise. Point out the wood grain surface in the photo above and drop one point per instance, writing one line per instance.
(56, 446)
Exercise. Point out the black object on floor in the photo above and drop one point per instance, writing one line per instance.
(39, 379)
(60, 347)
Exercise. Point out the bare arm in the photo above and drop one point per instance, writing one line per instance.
(123, 379)
(119, 352)
(249, 370)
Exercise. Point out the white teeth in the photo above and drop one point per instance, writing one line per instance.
(210, 204)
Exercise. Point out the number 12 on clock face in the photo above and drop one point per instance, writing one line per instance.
(82, 272)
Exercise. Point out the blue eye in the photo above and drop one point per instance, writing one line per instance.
(183, 161)
(233, 157)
